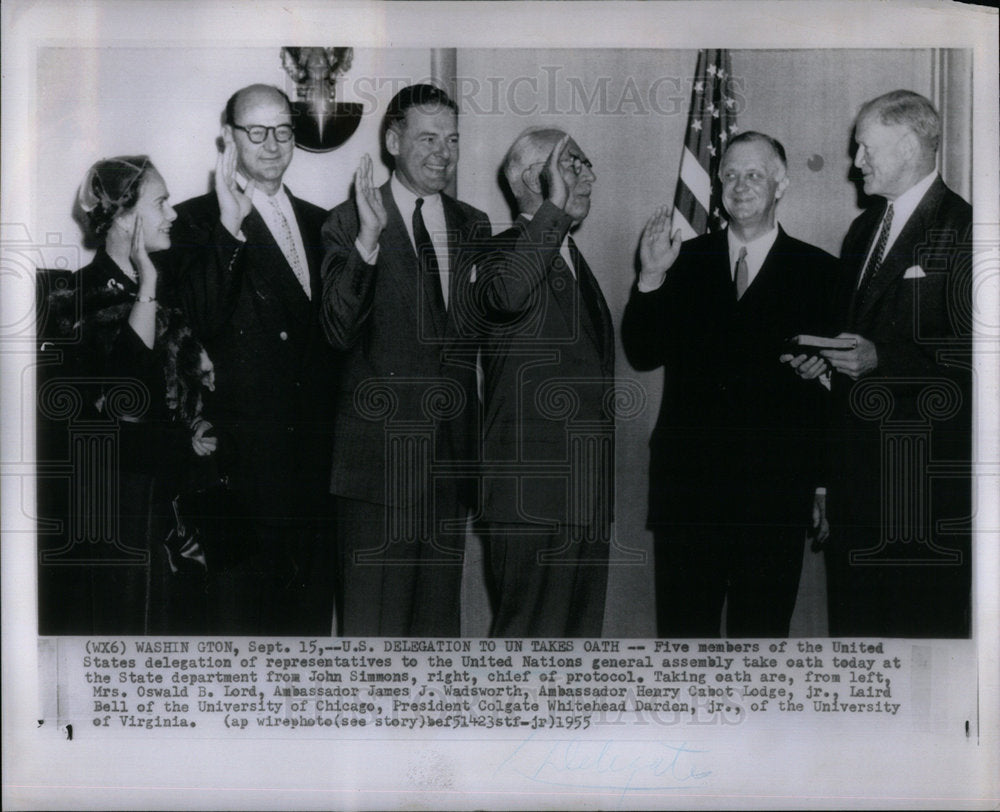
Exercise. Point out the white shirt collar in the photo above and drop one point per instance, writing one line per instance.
(406, 200)
(904, 205)
(902, 208)
(433, 214)
(262, 202)
(258, 195)
(757, 250)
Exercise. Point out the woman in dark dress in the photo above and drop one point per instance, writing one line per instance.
(148, 373)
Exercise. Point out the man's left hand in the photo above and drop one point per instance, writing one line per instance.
(806, 366)
(853, 363)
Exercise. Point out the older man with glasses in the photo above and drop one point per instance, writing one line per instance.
(257, 312)
(548, 369)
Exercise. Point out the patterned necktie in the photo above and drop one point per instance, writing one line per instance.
(287, 244)
(875, 260)
(427, 257)
(741, 278)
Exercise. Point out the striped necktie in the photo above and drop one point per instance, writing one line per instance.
(875, 260)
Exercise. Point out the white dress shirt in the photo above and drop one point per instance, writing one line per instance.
(434, 222)
(259, 199)
(757, 251)
(902, 208)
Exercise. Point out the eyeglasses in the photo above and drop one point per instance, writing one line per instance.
(257, 134)
(577, 164)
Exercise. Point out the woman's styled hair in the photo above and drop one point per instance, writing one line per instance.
(112, 186)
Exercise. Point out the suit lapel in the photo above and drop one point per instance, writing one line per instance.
(314, 256)
(459, 238)
(900, 255)
(717, 275)
(773, 265)
(277, 294)
(562, 289)
(271, 269)
(597, 324)
(398, 257)
(855, 252)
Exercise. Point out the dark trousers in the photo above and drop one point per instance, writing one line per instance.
(899, 558)
(874, 593)
(400, 569)
(547, 584)
(754, 570)
(285, 587)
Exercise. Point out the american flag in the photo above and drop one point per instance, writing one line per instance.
(711, 121)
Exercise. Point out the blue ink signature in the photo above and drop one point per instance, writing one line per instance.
(607, 764)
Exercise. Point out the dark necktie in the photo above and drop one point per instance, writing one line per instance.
(741, 279)
(426, 256)
(878, 254)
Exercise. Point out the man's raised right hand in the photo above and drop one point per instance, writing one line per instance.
(234, 204)
(658, 248)
(371, 211)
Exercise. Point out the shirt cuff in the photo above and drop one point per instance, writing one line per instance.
(369, 258)
(239, 235)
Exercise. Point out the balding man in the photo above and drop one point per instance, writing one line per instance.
(735, 455)
(548, 436)
(257, 312)
(898, 561)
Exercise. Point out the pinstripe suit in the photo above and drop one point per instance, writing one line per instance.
(406, 410)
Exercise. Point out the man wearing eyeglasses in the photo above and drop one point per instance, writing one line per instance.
(548, 366)
(257, 311)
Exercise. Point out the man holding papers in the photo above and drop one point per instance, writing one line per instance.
(736, 452)
(898, 562)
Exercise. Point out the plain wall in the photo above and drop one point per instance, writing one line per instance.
(167, 103)
(626, 108)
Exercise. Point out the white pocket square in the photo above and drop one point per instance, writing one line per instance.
(914, 272)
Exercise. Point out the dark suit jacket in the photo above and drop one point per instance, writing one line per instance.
(273, 368)
(909, 320)
(151, 438)
(548, 362)
(409, 367)
(921, 328)
(739, 436)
